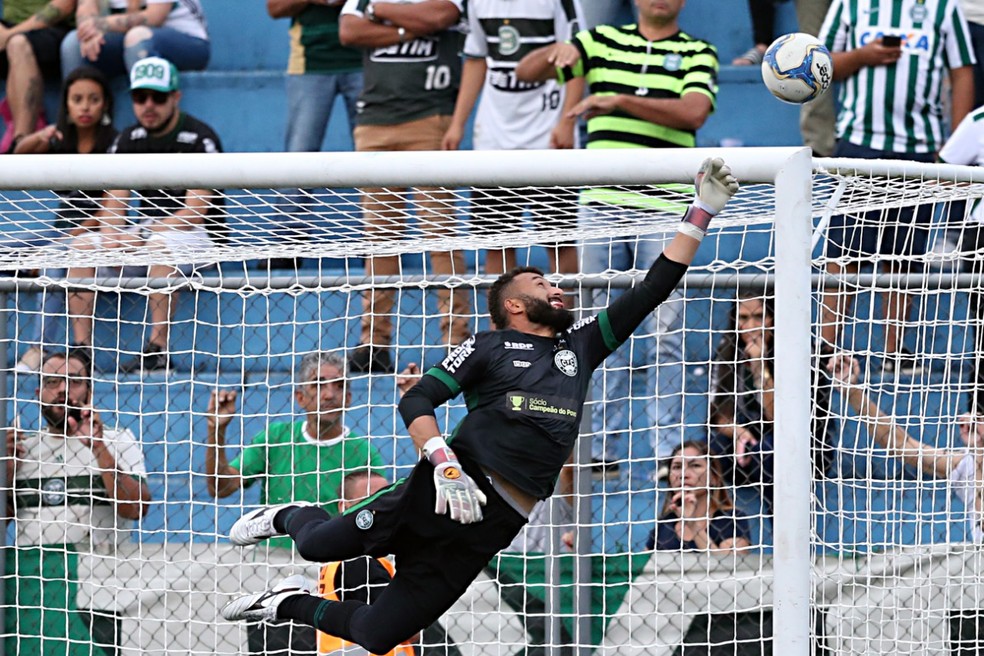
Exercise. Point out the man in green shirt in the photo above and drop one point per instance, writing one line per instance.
(303, 460)
(319, 70)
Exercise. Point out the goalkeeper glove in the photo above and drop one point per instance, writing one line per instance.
(457, 494)
(714, 187)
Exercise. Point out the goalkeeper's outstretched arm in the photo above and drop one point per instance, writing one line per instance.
(714, 187)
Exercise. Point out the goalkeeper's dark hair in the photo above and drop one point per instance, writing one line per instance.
(497, 294)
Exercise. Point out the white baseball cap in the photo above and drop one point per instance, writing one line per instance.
(154, 73)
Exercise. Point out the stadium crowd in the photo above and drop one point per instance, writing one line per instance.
(553, 74)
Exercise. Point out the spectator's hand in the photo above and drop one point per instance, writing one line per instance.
(685, 503)
(221, 408)
(844, 369)
(971, 430)
(594, 105)
(117, 236)
(407, 378)
(754, 343)
(89, 429)
(744, 441)
(91, 38)
(563, 55)
(15, 443)
(567, 540)
(4, 35)
(87, 29)
(50, 132)
(562, 136)
(453, 137)
(875, 53)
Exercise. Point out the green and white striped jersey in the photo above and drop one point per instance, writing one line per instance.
(898, 108)
(619, 60)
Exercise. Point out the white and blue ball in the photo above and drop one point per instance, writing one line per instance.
(797, 68)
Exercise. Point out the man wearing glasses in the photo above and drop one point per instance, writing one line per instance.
(76, 486)
(167, 220)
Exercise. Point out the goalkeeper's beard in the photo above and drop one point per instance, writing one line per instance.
(541, 312)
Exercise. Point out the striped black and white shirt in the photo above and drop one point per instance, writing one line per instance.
(513, 114)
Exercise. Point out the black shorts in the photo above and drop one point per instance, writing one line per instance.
(436, 558)
(500, 209)
(46, 44)
(433, 551)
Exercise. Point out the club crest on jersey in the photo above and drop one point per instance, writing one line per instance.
(53, 492)
(918, 12)
(508, 40)
(364, 519)
(673, 62)
(566, 361)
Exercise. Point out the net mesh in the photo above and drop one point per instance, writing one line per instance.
(894, 570)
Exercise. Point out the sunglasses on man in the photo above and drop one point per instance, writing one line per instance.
(140, 96)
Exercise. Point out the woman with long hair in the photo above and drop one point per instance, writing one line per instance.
(743, 394)
(84, 126)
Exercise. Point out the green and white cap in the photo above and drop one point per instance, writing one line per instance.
(154, 73)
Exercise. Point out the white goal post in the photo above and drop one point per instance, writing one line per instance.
(247, 329)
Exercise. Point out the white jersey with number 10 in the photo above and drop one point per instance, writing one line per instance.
(516, 115)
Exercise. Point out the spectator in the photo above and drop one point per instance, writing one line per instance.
(763, 13)
(362, 578)
(131, 31)
(170, 220)
(514, 115)
(898, 115)
(412, 64)
(963, 468)
(320, 69)
(30, 36)
(966, 147)
(974, 13)
(302, 460)
(742, 407)
(654, 100)
(85, 125)
(54, 523)
(698, 513)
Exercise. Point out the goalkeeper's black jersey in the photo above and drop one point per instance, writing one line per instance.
(525, 393)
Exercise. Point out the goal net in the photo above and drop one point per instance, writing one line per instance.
(801, 529)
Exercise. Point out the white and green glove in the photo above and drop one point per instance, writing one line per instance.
(714, 187)
(457, 494)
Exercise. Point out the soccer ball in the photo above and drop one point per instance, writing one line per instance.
(797, 68)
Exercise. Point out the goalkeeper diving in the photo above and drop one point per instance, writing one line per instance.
(525, 384)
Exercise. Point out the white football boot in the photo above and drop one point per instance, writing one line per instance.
(262, 606)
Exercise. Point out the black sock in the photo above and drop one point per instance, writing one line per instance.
(301, 608)
(280, 519)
